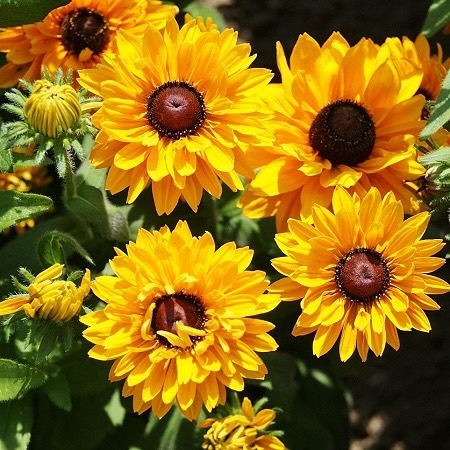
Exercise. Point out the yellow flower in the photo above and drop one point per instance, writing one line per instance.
(24, 179)
(241, 431)
(344, 116)
(175, 321)
(49, 298)
(180, 108)
(74, 36)
(409, 55)
(52, 108)
(362, 271)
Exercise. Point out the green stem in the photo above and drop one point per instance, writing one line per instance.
(69, 178)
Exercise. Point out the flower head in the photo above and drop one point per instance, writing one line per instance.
(175, 321)
(50, 298)
(52, 108)
(74, 36)
(361, 272)
(409, 55)
(180, 109)
(244, 430)
(344, 116)
(52, 116)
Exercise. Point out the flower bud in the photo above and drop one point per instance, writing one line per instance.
(52, 108)
(50, 298)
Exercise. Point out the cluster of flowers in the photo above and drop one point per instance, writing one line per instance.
(329, 151)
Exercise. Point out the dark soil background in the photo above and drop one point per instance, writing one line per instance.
(400, 401)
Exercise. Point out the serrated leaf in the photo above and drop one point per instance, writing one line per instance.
(15, 424)
(440, 114)
(58, 391)
(21, 12)
(18, 206)
(16, 379)
(437, 17)
(55, 246)
(196, 9)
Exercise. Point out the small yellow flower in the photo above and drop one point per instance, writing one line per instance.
(49, 298)
(241, 431)
(52, 107)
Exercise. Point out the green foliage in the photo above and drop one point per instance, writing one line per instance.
(15, 424)
(440, 114)
(20, 12)
(17, 206)
(16, 379)
(56, 246)
(438, 16)
(196, 8)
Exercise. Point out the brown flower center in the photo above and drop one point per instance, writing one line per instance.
(343, 132)
(362, 275)
(84, 28)
(176, 109)
(176, 307)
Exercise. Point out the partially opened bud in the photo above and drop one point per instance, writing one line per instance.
(49, 297)
(51, 108)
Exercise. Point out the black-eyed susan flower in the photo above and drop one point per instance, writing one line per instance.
(176, 321)
(74, 36)
(361, 271)
(24, 179)
(409, 55)
(49, 297)
(344, 116)
(245, 429)
(180, 109)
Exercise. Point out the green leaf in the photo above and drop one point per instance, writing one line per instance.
(196, 9)
(440, 114)
(85, 426)
(58, 391)
(47, 343)
(56, 246)
(18, 206)
(22, 251)
(86, 376)
(116, 412)
(15, 424)
(21, 12)
(437, 17)
(91, 205)
(22, 160)
(16, 379)
(6, 159)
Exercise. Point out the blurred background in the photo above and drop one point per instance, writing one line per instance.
(401, 400)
